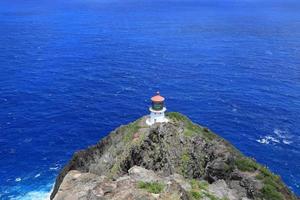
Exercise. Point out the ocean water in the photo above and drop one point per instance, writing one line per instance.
(72, 71)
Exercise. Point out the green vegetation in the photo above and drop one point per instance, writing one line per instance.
(128, 131)
(188, 123)
(265, 172)
(212, 197)
(228, 168)
(131, 129)
(177, 116)
(269, 192)
(273, 188)
(153, 187)
(195, 195)
(185, 158)
(115, 169)
(246, 164)
(199, 185)
(189, 133)
(272, 183)
(191, 129)
(199, 191)
(208, 134)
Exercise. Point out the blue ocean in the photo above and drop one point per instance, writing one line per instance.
(72, 71)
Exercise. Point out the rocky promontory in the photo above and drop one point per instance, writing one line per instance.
(174, 160)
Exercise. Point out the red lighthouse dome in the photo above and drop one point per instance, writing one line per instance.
(157, 97)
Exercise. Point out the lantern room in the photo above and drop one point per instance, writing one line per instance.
(157, 102)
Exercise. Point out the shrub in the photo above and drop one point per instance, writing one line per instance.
(265, 171)
(200, 185)
(185, 157)
(246, 164)
(153, 187)
(272, 184)
(269, 192)
(195, 195)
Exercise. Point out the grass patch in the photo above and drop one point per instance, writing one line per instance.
(153, 187)
(269, 192)
(246, 164)
(191, 129)
(189, 133)
(211, 197)
(185, 160)
(200, 190)
(131, 129)
(260, 176)
(265, 172)
(208, 134)
(272, 185)
(199, 185)
(195, 195)
(114, 170)
(126, 145)
(176, 116)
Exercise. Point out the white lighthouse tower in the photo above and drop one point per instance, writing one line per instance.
(157, 110)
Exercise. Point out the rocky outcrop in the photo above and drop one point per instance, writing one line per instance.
(175, 160)
(140, 183)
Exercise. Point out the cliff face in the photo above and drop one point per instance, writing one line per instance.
(175, 160)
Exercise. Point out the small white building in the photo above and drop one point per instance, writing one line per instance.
(157, 110)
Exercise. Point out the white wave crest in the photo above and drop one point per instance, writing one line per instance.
(278, 136)
(267, 140)
(287, 141)
(34, 195)
(280, 133)
(18, 179)
(37, 175)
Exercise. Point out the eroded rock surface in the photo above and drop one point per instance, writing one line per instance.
(78, 185)
(175, 160)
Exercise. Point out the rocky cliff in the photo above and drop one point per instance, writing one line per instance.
(175, 160)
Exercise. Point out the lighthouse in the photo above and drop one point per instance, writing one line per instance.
(157, 110)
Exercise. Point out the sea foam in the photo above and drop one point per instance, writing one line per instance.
(278, 136)
(34, 195)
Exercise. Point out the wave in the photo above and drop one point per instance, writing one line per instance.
(267, 140)
(277, 137)
(34, 195)
(18, 193)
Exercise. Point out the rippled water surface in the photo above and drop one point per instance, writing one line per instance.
(73, 71)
